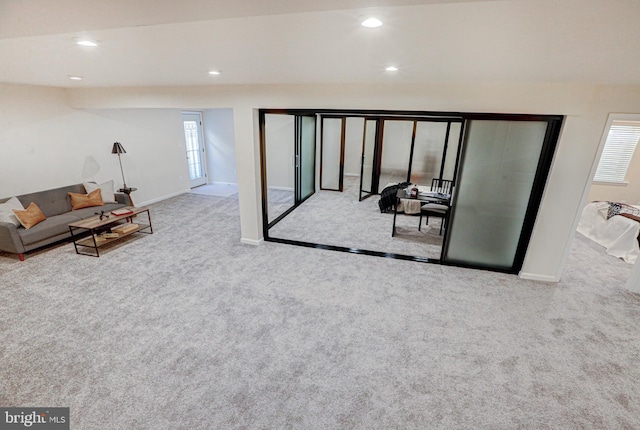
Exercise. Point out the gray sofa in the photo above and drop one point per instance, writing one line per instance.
(56, 205)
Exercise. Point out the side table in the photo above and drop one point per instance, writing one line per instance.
(128, 191)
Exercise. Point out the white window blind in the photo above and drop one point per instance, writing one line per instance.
(618, 150)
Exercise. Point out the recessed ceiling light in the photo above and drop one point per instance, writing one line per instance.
(75, 78)
(86, 42)
(214, 72)
(371, 22)
(391, 69)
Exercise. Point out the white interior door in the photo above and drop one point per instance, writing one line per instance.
(195, 148)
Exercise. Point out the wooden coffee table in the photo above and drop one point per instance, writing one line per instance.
(108, 229)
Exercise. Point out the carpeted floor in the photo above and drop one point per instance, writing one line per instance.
(189, 329)
(339, 219)
(216, 189)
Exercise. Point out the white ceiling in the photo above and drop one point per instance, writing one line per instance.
(152, 43)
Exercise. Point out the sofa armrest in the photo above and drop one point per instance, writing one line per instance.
(9, 239)
(123, 198)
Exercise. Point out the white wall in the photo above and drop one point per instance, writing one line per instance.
(221, 147)
(39, 145)
(45, 144)
(586, 108)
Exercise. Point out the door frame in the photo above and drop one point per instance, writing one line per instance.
(203, 146)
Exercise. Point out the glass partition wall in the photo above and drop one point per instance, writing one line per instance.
(407, 149)
(279, 133)
(288, 162)
(498, 164)
(502, 174)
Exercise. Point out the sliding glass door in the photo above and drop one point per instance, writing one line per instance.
(279, 137)
(500, 181)
(497, 163)
(288, 162)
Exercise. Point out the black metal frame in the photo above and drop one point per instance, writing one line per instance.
(343, 128)
(375, 163)
(388, 116)
(380, 124)
(554, 125)
(298, 199)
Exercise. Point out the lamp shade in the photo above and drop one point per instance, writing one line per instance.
(118, 148)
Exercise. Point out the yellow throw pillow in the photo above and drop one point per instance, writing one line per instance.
(31, 216)
(79, 201)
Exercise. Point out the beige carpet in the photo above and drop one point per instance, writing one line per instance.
(339, 219)
(216, 189)
(190, 329)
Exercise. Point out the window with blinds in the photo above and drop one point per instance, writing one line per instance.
(619, 147)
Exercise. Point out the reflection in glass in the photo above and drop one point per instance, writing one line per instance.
(449, 168)
(427, 152)
(279, 146)
(368, 151)
(307, 156)
(354, 133)
(331, 146)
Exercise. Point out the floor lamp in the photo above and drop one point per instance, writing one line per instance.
(119, 149)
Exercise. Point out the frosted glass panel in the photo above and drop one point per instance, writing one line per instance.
(307, 156)
(280, 147)
(427, 152)
(494, 186)
(396, 147)
(331, 144)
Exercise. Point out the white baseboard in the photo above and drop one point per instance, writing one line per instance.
(355, 175)
(536, 277)
(251, 241)
(281, 189)
(223, 183)
(159, 199)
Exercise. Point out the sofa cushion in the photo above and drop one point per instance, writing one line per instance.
(79, 201)
(52, 226)
(52, 202)
(30, 216)
(6, 211)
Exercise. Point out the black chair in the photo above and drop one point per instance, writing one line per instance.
(438, 208)
(443, 186)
